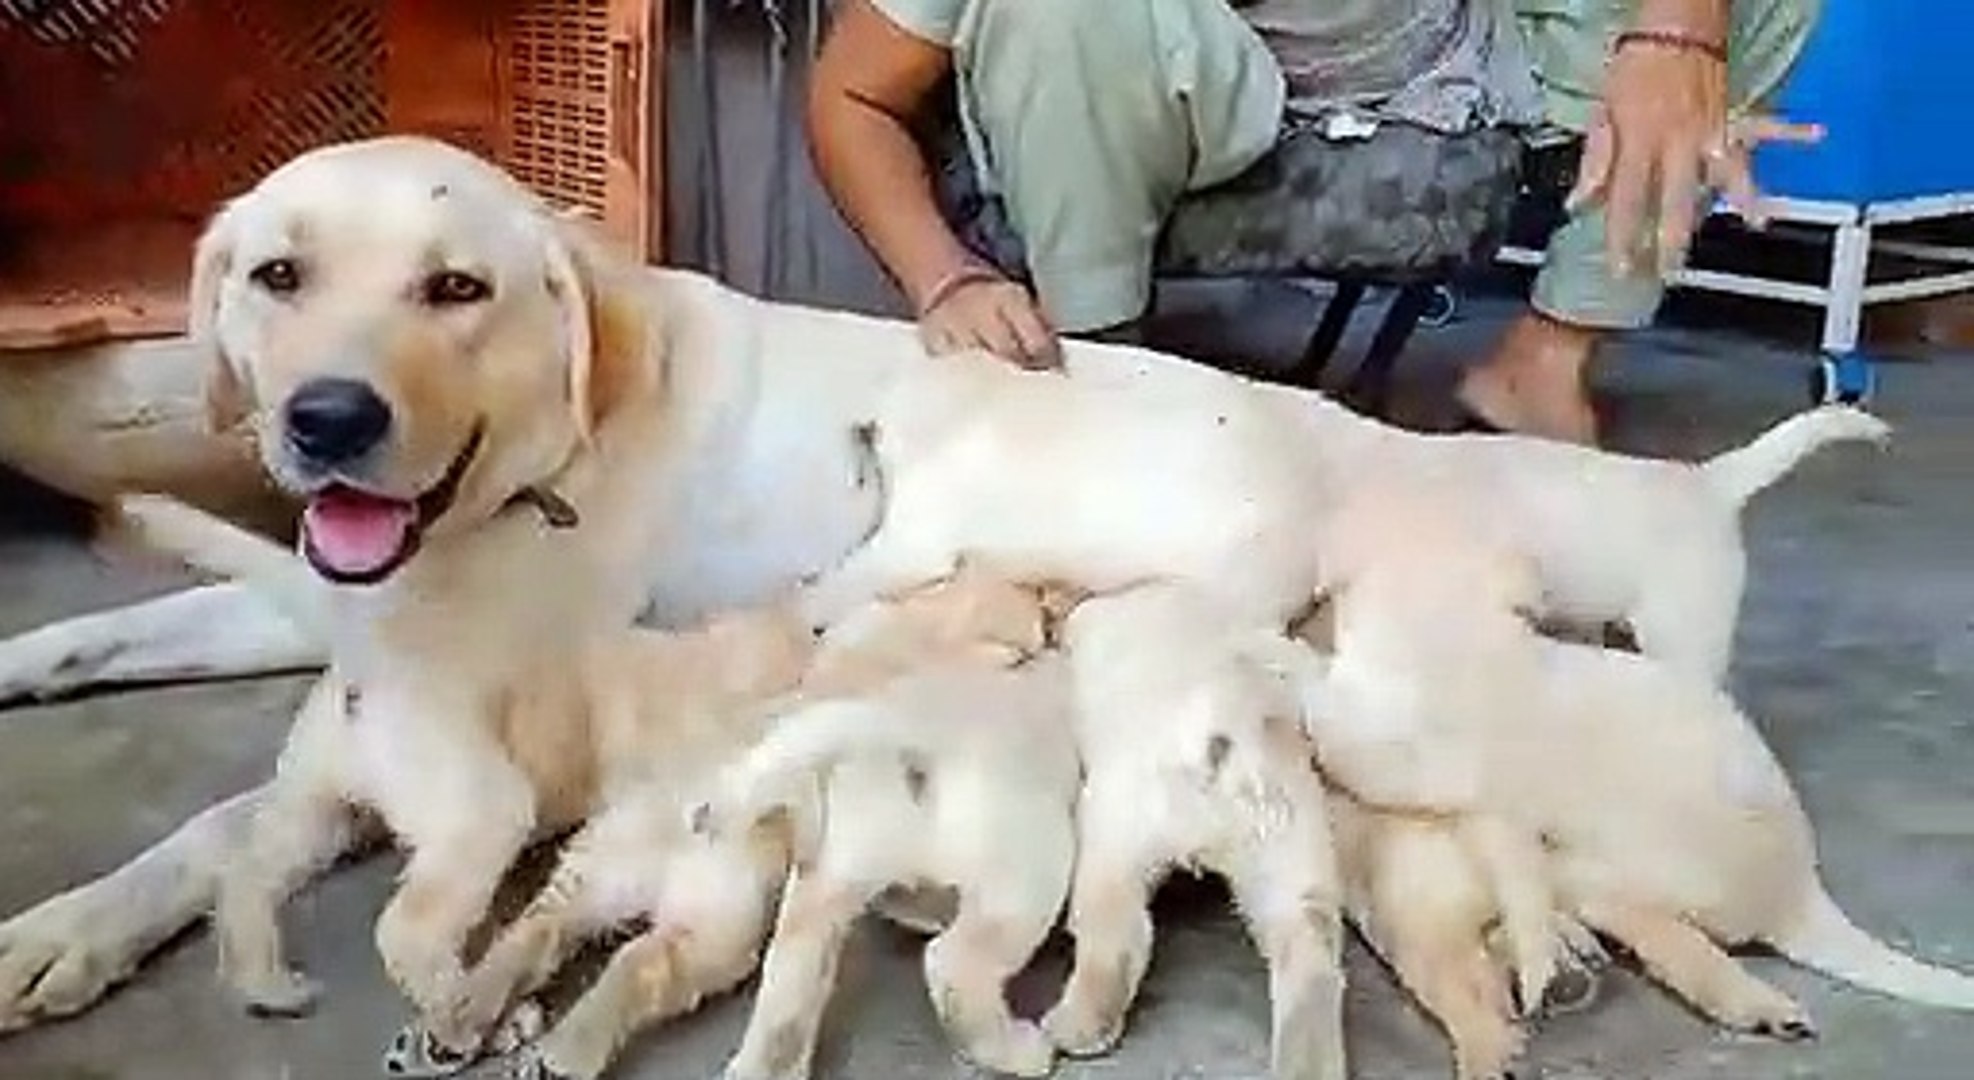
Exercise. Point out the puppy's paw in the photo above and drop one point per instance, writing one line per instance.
(277, 994)
(522, 1026)
(1023, 1050)
(1787, 1029)
(414, 1052)
(531, 1064)
(1079, 1034)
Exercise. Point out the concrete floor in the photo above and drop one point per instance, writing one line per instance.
(1857, 653)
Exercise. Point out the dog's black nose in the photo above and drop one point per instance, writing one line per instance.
(335, 421)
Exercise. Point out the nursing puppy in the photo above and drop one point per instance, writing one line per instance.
(708, 897)
(1664, 820)
(1049, 477)
(959, 776)
(617, 733)
(1194, 759)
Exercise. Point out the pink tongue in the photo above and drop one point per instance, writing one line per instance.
(354, 533)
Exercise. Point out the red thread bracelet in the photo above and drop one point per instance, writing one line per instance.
(1673, 39)
(955, 280)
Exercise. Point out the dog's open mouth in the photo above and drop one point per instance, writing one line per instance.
(357, 537)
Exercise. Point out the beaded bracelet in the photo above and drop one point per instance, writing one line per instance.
(1673, 39)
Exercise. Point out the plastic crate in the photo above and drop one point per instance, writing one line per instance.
(126, 122)
(1892, 81)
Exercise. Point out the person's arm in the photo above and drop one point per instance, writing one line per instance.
(872, 78)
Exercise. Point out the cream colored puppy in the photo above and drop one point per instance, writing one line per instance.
(1664, 819)
(1422, 901)
(960, 776)
(709, 895)
(619, 728)
(1076, 480)
(1194, 758)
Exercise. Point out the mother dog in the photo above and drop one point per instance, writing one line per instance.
(413, 301)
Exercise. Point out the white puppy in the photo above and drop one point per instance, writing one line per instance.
(959, 777)
(1663, 818)
(1066, 479)
(1195, 759)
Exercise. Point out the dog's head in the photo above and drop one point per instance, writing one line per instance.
(413, 337)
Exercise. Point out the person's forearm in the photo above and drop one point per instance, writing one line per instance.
(1708, 17)
(878, 176)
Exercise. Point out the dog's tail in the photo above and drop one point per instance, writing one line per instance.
(1825, 939)
(214, 546)
(1741, 473)
(788, 766)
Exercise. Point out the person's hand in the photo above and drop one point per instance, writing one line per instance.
(982, 310)
(1664, 109)
(1663, 135)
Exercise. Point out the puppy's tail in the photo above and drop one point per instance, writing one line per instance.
(1742, 473)
(786, 769)
(1825, 939)
(210, 544)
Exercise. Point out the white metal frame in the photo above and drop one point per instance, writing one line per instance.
(1849, 290)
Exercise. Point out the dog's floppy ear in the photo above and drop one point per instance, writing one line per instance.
(602, 328)
(228, 397)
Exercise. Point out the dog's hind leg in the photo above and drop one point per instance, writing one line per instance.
(1683, 959)
(1110, 917)
(1687, 620)
(663, 973)
(212, 632)
(1004, 917)
(1295, 920)
(797, 977)
(59, 957)
(1444, 963)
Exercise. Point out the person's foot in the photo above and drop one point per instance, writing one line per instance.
(1534, 384)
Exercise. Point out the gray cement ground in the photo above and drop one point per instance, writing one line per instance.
(1857, 654)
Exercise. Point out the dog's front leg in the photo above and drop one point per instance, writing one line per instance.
(59, 957)
(463, 842)
(299, 831)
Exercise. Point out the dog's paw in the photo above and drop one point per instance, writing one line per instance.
(530, 1064)
(1786, 1029)
(522, 1026)
(414, 1052)
(58, 958)
(1080, 1035)
(278, 994)
(1024, 1049)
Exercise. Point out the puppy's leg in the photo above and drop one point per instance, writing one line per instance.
(1687, 620)
(1688, 963)
(302, 828)
(797, 977)
(1518, 877)
(663, 973)
(1003, 918)
(1290, 902)
(1442, 961)
(459, 856)
(59, 957)
(1110, 917)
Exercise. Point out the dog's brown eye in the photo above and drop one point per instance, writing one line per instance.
(278, 276)
(449, 287)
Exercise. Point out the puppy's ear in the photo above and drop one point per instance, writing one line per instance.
(602, 326)
(229, 397)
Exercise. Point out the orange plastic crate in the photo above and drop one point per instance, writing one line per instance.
(123, 123)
